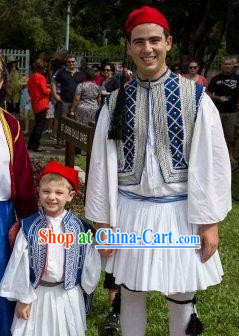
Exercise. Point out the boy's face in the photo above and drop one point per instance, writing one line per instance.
(53, 197)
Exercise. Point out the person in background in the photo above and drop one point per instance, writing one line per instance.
(68, 78)
(122, 70)
(99, 78)
(111, 83)
(13, 87)
(224, 91)
(86, 100)
(17, 197)
(39, 93)
(193, 69)
(25, 104)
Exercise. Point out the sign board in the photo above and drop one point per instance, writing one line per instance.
(79, 136)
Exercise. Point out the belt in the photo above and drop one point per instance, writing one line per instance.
(50, 284)
(160, 199)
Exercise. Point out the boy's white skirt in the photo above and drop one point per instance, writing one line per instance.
(56, 312)
(169, 271)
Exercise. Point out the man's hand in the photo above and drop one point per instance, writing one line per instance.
(23, 310)
(209, 240)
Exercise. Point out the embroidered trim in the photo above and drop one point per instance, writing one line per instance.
(8, 134)
(175, 105)
(18, 132)
(75, 255)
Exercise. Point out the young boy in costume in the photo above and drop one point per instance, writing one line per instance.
(47, 279)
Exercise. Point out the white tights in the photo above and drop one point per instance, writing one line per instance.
(133, 313)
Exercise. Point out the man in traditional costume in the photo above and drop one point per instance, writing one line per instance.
(159, 161)
(17, 196)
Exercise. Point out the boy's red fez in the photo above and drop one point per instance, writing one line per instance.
(55, 167)
(145, 14)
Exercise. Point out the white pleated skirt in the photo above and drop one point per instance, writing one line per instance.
(169, 271)
(56, 312)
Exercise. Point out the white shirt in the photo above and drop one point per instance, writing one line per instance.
(55, 252)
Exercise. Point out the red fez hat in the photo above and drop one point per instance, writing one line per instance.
(145, 14)
(55, 167)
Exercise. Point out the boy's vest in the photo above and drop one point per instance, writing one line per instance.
(175, 101)
(74, 256)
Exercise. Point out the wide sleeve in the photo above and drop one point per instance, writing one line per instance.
(102, 185)
(15, 284)
(25, 193)
(91, 269)
(209, 175)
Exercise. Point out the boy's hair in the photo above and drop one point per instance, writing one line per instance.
(56, 178)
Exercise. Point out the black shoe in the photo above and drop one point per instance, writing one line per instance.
(112, 322)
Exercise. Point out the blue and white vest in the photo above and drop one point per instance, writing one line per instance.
(175, 106)
(74, 256)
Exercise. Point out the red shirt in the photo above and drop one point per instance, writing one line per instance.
(39, 92)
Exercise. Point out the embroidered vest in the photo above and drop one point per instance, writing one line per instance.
(174, 109)
(74, 256)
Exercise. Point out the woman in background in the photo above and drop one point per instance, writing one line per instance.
(193, 69)
(87, 99)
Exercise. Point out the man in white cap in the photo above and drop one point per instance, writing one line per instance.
(159, 161)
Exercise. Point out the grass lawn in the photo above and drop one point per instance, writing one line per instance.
(218, 306)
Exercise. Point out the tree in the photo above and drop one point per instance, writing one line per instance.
(197, 26)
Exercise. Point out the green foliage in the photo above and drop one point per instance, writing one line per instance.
(197, 26)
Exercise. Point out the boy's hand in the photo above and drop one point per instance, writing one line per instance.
(23, 310)
(105, 252)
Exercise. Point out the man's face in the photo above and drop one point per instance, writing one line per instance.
(148, 47)
(227, 67)
(71, 63)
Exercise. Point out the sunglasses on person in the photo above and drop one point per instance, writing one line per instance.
(193, 67)
(107, 70)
